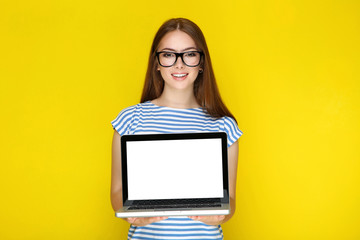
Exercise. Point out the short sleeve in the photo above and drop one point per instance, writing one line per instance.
(122, 122)
(232, 130)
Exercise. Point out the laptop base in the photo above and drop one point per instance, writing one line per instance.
(167, 213)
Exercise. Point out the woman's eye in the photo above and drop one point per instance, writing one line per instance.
(190, 54)
(168, 55)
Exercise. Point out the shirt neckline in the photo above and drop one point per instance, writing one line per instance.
(153, 104)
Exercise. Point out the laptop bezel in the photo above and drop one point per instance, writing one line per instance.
(174, 136)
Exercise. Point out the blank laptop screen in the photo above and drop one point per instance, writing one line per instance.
(174, 169)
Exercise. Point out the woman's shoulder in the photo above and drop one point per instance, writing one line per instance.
(125, 117)
(232, 130)
(130, 111)
(229, 120)
(133, 108)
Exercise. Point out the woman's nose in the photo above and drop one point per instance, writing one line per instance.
(179, 63)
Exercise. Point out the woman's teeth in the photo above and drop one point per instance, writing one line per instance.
(179, 75)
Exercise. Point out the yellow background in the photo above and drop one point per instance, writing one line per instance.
(288, 70)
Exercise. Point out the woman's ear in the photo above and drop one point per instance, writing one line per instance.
(201, 68)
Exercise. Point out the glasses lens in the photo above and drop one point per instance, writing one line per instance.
(167, 59)
(191, 58)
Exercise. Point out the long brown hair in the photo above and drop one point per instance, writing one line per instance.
(205, 88)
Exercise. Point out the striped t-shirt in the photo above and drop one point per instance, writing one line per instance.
(147, 118)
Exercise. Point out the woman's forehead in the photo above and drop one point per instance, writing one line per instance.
(177, 41)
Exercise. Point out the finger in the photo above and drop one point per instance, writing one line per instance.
(211, 220)
(201, 217)
(131, 220)
(156, 219)
(145, 220)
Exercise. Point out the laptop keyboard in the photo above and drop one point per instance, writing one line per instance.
(179, 203)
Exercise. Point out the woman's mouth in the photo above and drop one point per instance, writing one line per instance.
(179, 76)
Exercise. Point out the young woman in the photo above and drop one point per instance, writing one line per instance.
(180, 95)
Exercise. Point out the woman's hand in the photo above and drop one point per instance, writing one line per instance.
(209, 220)
(139, 222)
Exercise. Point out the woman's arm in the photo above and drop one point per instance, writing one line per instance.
(116, 184)
(233, 152)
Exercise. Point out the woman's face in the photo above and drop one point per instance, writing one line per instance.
(178, 76)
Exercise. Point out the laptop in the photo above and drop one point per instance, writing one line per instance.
(181, 174)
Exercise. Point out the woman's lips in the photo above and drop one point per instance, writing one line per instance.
(179, 76)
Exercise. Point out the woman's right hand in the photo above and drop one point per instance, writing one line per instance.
(140, 222)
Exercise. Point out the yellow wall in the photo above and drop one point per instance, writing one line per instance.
(288, 70)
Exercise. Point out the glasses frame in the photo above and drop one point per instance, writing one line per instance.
(177, 55)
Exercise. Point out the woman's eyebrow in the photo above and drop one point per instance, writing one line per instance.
(170, 49)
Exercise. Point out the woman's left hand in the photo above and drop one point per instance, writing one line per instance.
(209, 220)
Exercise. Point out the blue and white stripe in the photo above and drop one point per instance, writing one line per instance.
(176, 228)
(148, 118)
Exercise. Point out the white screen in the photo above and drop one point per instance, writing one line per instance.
(170, 169)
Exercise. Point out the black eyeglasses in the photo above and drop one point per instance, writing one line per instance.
(190, 59)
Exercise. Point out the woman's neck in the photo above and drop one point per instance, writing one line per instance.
(176, 99)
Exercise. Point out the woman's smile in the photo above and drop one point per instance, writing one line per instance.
(179, 76)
